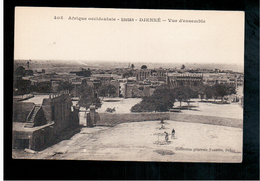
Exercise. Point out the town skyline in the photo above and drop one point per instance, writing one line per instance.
(117, 64)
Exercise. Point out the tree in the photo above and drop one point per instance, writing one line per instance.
(161, 100)
(22, 87)
(144, 67)
(88, 97)
(128, 74)
(183, 93)
(204, 90)
(137, 108)
(132, 66)
(223, 90)
(183, 66)
(65, 86)
(42, 87)
(210, 91)
(107, 90)
(20, 71)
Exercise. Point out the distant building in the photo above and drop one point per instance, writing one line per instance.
(223, 78)
(28, 72)
(77, 82)
(151, 74)
(105, 77)
(40, 71)
(186, 79)
(83, 72)
(134, 90)
(38, 120)
(21, 71)
(95, 83)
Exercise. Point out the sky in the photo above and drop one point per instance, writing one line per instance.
(39, 36)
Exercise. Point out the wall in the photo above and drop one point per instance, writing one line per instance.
(21, 110)
(39, 118)
(62, 108)
(111, 119)
(74, 118)
(46, 106)
(38, 139)
(42, 138)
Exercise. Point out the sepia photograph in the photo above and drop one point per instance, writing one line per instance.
(138, 85)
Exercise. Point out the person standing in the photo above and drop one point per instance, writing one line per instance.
(173, 133)
(166, 136)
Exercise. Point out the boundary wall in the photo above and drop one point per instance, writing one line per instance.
(112, 119)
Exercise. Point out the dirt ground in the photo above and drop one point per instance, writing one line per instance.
(121, 105)
(145, 141)
(233, 110)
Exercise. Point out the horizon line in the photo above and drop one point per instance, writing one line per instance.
(122, 61)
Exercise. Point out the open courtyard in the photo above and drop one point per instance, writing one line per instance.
(145, 141)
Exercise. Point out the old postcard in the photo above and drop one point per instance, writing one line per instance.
(128, 85)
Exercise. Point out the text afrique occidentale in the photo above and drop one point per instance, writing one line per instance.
(135, 19)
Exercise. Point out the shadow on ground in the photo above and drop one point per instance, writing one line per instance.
(164, 152)
(66, 135)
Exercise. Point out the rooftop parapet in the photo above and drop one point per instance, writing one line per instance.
(188, 75)
(54, 95)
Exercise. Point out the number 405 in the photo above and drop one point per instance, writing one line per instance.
(58, 17)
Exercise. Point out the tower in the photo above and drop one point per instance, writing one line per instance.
(28, 65)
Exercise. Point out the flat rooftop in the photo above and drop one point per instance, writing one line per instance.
(20, 127)
(37, 99)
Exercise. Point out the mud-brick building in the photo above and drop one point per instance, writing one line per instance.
(39, 120)
(77, 83)
(150, 74)
(184, 79)
(129, 90)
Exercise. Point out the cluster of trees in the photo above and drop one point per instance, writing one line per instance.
(24, 87)
(221, 90)
(106, 90)
(161, 100)
(88, 96)
(20, 71)
(128, 74)
(42, 87)
(163, 97)
(66, 85)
